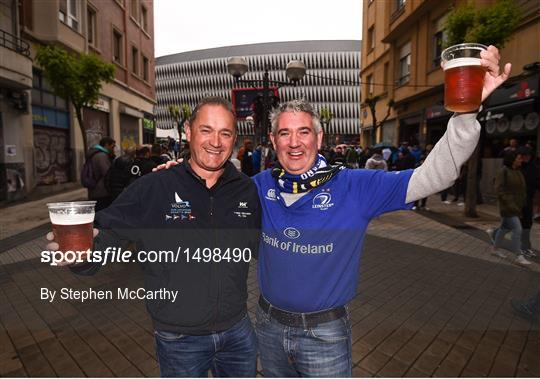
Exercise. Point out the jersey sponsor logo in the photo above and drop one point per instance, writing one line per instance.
(291, 233)
(271, 195)
(180, 210)
(322, 201)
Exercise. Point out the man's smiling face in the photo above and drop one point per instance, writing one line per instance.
(296, 142)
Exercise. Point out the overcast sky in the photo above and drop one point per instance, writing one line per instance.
(186, 25)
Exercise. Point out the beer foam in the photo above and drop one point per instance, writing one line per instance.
(71, 219)
(458, 62)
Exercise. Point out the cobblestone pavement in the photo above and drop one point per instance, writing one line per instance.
(431, 301)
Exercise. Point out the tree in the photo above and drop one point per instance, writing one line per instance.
(491, 25)
(326, 117)
(180, 115)
(75, 77)
(371, 103)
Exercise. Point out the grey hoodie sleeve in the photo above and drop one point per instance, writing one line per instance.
(442, 166)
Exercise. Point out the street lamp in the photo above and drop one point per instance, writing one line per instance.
(238, 66)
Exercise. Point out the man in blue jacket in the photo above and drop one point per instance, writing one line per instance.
(311, 246)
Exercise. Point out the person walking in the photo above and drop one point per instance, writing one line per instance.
(101, 157)
(530, 171)
(245, 156)
(511, 192)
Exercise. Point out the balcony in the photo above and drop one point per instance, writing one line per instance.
(15, 62)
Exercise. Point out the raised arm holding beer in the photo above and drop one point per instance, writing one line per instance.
(442, 165)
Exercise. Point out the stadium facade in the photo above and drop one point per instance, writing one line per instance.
(331, 80)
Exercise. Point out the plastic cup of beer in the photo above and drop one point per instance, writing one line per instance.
(72, 224)
(463, 77)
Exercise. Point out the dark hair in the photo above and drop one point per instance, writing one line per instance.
(524, 150)
(142, 151)
(106, 141)
(156, 149)
(509, 158)
(212, 100)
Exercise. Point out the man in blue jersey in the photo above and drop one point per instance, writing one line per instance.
(311, 246)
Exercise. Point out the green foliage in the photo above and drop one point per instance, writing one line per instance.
(491, 25)
(326, 115)
(180, 114)
(76, 78)
(458, 22)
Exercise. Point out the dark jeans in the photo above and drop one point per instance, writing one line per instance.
(509, 224)
(231, 353)
(321, 351)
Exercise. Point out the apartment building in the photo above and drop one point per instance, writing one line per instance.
(47, 141)
(403, 40)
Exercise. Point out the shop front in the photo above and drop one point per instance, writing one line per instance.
(129, 127)
(96, 121)
(511, 112)
(51, 145)
(436, 121)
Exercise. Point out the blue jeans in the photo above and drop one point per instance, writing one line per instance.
(509, 224)
(321, 351)
(231, 353)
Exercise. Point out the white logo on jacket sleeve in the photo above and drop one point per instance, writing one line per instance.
(322, 201)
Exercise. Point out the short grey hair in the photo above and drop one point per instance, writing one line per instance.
(212, 100)
(298, 105)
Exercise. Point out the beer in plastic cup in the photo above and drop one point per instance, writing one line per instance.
(463, 77)
(72, 224)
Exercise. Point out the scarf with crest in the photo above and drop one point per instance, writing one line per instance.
(319, 174)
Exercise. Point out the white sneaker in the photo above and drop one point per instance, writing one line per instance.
(460, 204)
(447, 202)
(491, 233)
(529, 253)
(499, 253)
(414, 208)
(522, 261)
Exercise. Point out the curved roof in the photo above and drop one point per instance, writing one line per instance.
(261, 49)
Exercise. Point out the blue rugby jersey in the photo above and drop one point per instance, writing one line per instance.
(310, 252)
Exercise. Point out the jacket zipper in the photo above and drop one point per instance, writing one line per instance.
(216, 267)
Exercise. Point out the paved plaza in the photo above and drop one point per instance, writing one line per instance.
(432, 301)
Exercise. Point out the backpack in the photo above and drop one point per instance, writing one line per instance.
(88, 178)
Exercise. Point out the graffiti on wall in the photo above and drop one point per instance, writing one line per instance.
(51, 155)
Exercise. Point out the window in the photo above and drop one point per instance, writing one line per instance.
(43, 95)
(370, 85)
(117, 47)
(399, 4)
(134, 9)
(439, 39)
(371, 38)
(144, 18)
(146, 68)
(91, 20)
(69, 13)
(404, 63)
(134, 60)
